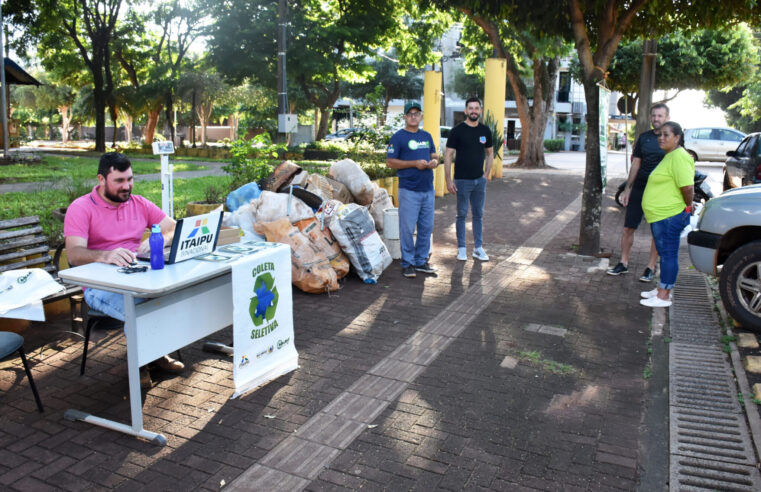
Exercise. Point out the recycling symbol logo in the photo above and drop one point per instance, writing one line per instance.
(264, 302)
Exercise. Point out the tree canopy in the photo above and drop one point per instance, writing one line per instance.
(328, 43)
(703, 59)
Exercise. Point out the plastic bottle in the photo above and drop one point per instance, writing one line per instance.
(156, 242)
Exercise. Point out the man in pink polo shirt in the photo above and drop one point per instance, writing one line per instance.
(107, 226)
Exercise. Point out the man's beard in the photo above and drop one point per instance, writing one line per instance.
(118, 197)
(473, 117)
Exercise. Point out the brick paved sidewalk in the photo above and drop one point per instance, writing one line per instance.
(542, 388)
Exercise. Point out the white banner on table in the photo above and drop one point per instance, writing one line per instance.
(263, 341)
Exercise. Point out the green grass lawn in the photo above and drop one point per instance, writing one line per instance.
(76, 168)
(43, 201)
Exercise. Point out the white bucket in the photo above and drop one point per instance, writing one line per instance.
(391, 223)
(394, 248)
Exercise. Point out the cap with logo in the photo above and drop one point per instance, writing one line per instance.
(412, 105)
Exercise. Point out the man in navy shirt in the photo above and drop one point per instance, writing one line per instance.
(473, 142)
(412, 153)
(646, 156)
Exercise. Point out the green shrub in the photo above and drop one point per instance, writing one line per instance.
(554, 145)
(251, 159)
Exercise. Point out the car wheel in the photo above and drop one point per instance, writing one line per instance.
(726, 184)
(694, 155)
(740, 285)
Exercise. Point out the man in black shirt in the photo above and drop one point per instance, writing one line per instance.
(473, 142)
(646, 156)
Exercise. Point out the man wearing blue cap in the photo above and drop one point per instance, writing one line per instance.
(412, 153)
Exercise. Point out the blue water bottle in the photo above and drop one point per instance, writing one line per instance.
(156, 242)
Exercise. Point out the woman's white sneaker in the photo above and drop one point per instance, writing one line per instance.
(647, 294)
(655, 302)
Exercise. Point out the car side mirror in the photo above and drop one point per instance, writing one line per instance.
(731, 153)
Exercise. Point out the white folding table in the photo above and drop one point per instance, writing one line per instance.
(187, 301)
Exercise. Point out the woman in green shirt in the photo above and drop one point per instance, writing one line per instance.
(667, 202)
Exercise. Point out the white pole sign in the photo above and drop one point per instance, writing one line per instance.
(167, 193)
(263, 339)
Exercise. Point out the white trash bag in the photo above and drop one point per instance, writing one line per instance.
(353, 177)
(271, 206)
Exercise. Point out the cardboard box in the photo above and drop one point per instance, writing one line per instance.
(228, 235)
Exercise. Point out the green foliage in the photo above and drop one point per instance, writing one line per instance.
(391, 80)
(43, 201)
(251, 159)
(547, 364)
(329, 42)
(554, 145)
(497, 136)
(703, 59)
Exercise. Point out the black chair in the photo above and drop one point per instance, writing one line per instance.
(11, 342)
(90, 318)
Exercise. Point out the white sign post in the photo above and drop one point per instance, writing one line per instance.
(167, 189)
(604, 97)
(263, 338)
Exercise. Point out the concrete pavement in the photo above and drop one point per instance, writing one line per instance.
(523, 373)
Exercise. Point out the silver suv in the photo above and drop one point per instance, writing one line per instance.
(727, 242)
(711, 144)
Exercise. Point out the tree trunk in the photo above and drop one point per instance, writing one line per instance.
(128, 128)
(65, 112)
(233, 126)
(169, 105)
(322, 128)
(99, 100)
(535, 119)
(115, 123)
(591, 200)
(150, 125)
(646, 85)
(204, 116)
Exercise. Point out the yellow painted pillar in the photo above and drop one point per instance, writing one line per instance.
(431, 121)
(494, 102)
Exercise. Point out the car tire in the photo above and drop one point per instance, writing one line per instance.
(726, 185)
(693, 154)
(740, 285)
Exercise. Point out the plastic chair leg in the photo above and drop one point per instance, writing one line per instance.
(31, 380)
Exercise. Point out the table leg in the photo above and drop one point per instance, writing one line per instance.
(135, 396)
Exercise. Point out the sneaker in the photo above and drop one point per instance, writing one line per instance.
(647, 294)
(462, 254)
(409, 271)
(145, 378)
(647, 275)
(426, 268)
(655, 302)
(480, 254)
(168, 364)
(618, 269)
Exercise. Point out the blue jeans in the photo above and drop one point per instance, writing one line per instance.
(473, 191)
(415, 210)
(666, 235)
(109, 303)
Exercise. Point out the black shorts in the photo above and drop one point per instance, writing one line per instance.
(634, 212)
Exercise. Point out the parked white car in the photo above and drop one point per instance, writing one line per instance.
(711, 144)
(727, 243)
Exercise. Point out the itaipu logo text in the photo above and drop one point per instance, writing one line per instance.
(263, 305)
(205, 237)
